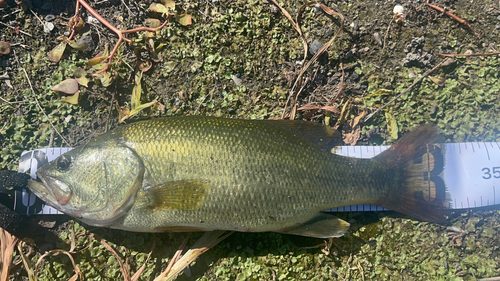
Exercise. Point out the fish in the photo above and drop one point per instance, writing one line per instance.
(199, 173)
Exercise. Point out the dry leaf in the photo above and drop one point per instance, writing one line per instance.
(314, 107)
(68, 86)
(81, 77)
(4, 48)
(56, 54)
(80, 46)
(352, 137)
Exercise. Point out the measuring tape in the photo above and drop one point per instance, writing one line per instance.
(471, 175)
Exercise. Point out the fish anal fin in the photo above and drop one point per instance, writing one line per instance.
(177, 195)
(321, 226)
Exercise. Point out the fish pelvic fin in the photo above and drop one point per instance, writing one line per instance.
(418, 162)
(321, 226)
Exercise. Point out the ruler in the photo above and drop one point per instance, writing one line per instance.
(471, 175)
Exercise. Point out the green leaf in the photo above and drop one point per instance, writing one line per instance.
(184, 19)
(159, 8)
(379, 92)
(168, 3)
(73, 99)
(152, 23)
(56, 54)
(97, 60)
(141, 107)
(68, 86)
(105, 78)
(80, 46)
(100, 66)
(135, 100)
(392, 125)
(170, 65)
(81, 77)
(144, 65)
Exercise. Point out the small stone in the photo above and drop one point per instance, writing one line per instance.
(50, 17)
(48, 27)
(398, 10)
(317, 9)
(47, 224)
(354, 26)
(377, 38)
(90, 42)
(364, 50)
(92, 20)
(237, 81)
(315, 47)
(412, 75)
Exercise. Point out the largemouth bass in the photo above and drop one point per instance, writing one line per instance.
(204, 173)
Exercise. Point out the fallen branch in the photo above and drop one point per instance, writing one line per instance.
(442, 10)
(118, 32)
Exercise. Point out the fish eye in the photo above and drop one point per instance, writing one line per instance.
(63, 163)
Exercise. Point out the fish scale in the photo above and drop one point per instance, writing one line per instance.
(230, 202)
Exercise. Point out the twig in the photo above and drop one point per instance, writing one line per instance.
(36, 100)
(406, 90)
(336, 273)
(118, 32)
(26, 33)
(40, 20)
(311, 113)
(462, 21)
(14, 12)
(387, 31)
(128, 9)
(6, 101)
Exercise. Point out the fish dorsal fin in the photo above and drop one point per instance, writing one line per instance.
(318, 134)
(321, 226)
(177, 195)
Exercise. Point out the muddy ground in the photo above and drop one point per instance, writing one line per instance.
(239, 59)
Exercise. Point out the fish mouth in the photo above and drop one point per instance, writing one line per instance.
(51, 190)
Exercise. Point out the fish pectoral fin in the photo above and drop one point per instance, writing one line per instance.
(321, 226)
(177, 195)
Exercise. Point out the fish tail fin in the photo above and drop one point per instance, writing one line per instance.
(417, 163)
